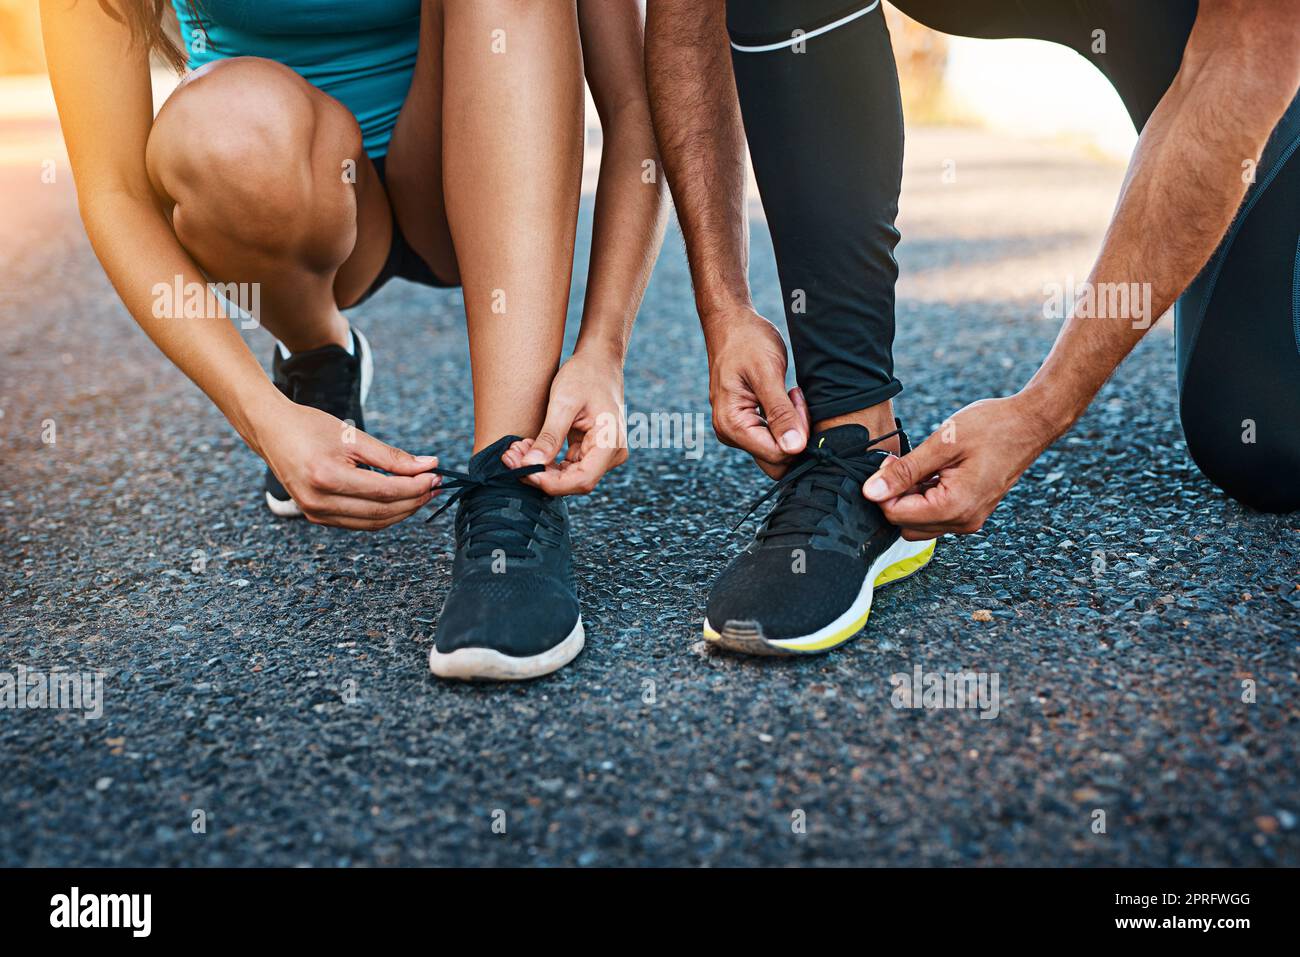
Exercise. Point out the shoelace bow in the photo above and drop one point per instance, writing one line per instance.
(817, 457)
(485, 531)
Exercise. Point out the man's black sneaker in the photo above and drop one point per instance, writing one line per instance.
(805, 582)
(330, 379)
(512, 611)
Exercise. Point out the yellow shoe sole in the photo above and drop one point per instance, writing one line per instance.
(898, 562)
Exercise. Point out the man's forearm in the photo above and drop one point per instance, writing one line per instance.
(1183, 188)
(702, 144)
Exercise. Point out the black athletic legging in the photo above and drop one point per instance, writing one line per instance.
(825, 133)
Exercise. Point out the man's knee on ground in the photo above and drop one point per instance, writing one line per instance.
(1256, 461)
(247, 146)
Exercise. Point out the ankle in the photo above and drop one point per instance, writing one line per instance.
(334, 332)
(878, 419)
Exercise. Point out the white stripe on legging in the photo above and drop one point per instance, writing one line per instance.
(766, 47)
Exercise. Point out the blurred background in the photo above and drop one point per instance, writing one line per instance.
(945, 80)
(967, 102)
(21, 33)
(1014, 154)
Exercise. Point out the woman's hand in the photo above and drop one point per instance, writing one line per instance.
(586, 407)
(318, 458)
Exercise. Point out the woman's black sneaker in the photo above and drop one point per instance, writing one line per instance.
(804, 584)
(330, 379)
(512, 611)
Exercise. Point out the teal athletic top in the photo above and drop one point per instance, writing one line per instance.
(361, 52)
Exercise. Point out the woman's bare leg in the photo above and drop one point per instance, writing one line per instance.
(512, 152)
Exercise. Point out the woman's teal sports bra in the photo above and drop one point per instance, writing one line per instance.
(361, 52)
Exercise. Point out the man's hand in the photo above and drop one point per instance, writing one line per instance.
(1238, 75)
(956, 477)
(318, 459)
(702, 142)
(751, 408)
(586, 408)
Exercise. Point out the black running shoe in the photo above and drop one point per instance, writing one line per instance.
(805, 582)
(328, 379)
(512, 611)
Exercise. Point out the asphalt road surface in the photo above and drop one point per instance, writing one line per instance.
(267, 699)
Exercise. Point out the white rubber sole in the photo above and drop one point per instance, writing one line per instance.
(484, 664)
(897, 562)
(283, 509)
(288, 508)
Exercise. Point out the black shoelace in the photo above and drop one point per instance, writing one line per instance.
(823, 469)
(487, 497)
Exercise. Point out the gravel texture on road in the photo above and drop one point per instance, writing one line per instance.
(269, 678)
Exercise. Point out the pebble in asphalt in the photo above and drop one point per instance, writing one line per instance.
(269, 678)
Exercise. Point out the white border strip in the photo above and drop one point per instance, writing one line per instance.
(768, 47)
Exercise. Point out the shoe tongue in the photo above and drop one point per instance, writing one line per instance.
(323, 378)
(842, 438)
(494, 503)
(311, 360)
(487, 462)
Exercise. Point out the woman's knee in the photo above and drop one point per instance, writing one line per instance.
(249, 146)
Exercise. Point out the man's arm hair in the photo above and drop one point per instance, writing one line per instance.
(702, 143)
(1185, 183)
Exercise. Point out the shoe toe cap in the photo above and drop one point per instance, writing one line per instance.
(519, 616)
(782, 595)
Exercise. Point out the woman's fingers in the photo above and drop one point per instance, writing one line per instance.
(377, 487)
(574, 453)
(514, 454)
(560, 414)
(350, 512)
(580, 476)
(371, 451)
(342, 494)
(582, 467)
